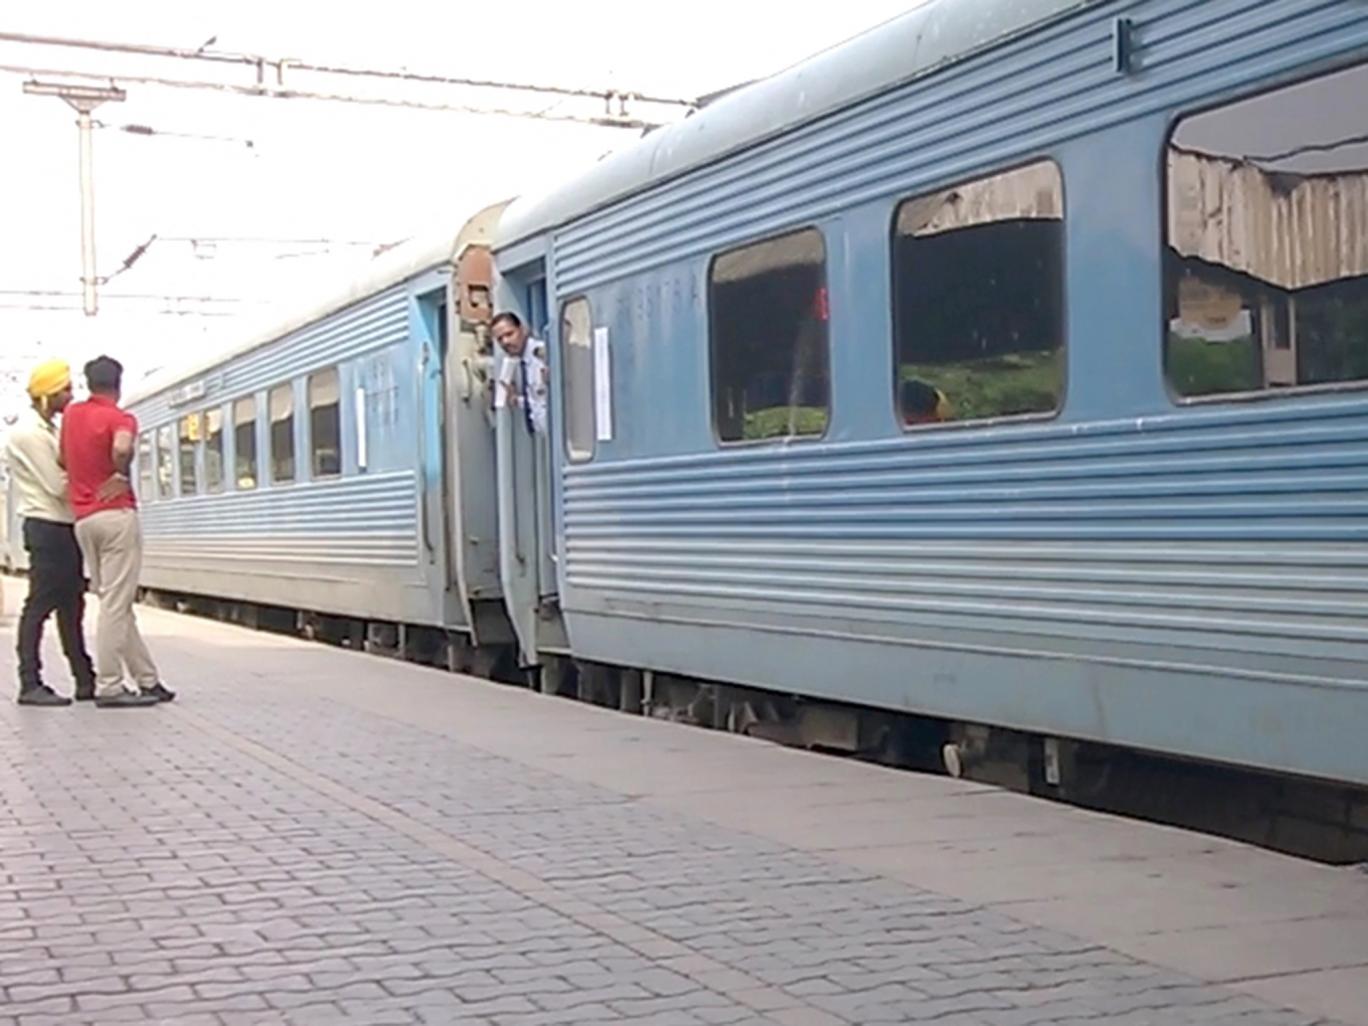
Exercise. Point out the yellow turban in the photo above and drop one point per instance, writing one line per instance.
(49, 378)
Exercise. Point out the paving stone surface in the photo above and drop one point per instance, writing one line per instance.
(255, 853)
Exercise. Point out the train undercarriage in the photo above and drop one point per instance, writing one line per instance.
(1313, 819)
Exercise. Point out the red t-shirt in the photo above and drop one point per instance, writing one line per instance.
(88, 452)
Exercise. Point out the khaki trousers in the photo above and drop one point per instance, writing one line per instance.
(111, 542)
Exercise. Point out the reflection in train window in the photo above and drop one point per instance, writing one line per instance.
(146, 493)
(577, 345)
(281, 406)
(191, 430)
(213, 449)
(768, 326)
(245, 443)
(166, 443)
(325, 424)
(978, 299)
(1266, 273)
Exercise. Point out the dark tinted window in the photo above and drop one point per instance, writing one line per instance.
(768, 312)
(146, 492)
(245, 443)
(978, 299)
(1266, 268)
(166, 447)
(325, 425)
(282, 434)
(213, 449)
(191, 431)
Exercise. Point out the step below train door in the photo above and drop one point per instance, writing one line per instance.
(526, 536)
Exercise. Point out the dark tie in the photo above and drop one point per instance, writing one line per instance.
(522, 386)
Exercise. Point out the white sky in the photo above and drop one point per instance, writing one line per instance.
(318, 170)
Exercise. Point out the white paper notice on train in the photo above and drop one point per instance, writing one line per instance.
(603, 388)
(362, 452)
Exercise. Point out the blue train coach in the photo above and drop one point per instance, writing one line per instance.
(1005, 365)
(334, 469)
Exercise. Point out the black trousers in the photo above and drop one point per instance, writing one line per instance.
(56, 585)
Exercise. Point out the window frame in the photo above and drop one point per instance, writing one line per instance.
(208, 485)
(255, 422)
(273, 481)
(195, 447)
(570, 454)
(1175, 117)
(147, 467)
(710, 396)
(164, 430)
(894, 392)
(314, 473)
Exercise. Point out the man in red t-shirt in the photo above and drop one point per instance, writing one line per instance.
(97, 451)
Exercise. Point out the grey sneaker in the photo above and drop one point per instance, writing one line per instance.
(125, 700)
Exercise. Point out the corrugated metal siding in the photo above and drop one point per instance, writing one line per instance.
(1058, 84)
(1235, 529)
(361, 522)
(374, 324)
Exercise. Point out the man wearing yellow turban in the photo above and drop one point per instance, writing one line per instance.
(56, 578)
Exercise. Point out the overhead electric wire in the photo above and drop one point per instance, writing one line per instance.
(167, 312)
(610, 117)
(131, 296)
(281, 63)
(279, 93)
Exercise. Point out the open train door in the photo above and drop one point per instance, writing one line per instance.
(470, 471)
(527, 561)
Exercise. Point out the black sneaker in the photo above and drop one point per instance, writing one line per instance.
(160, 692)
(41, 694)
(125, 700)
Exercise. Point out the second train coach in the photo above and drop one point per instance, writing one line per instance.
(1004, 366)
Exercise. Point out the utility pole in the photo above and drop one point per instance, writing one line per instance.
(84, 100)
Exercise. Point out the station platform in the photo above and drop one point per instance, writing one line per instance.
(309, 835)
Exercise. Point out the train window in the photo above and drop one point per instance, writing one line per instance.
(165, 449)
(146, 493)
(213, 449)
(978, 299)
(281, 403)
(577, 347)
(325, 424)
(245, 443)
(769, 332)
(191, 431)
(1265, 271)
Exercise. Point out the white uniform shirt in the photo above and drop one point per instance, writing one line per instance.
(533, 383)
(33, 456)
